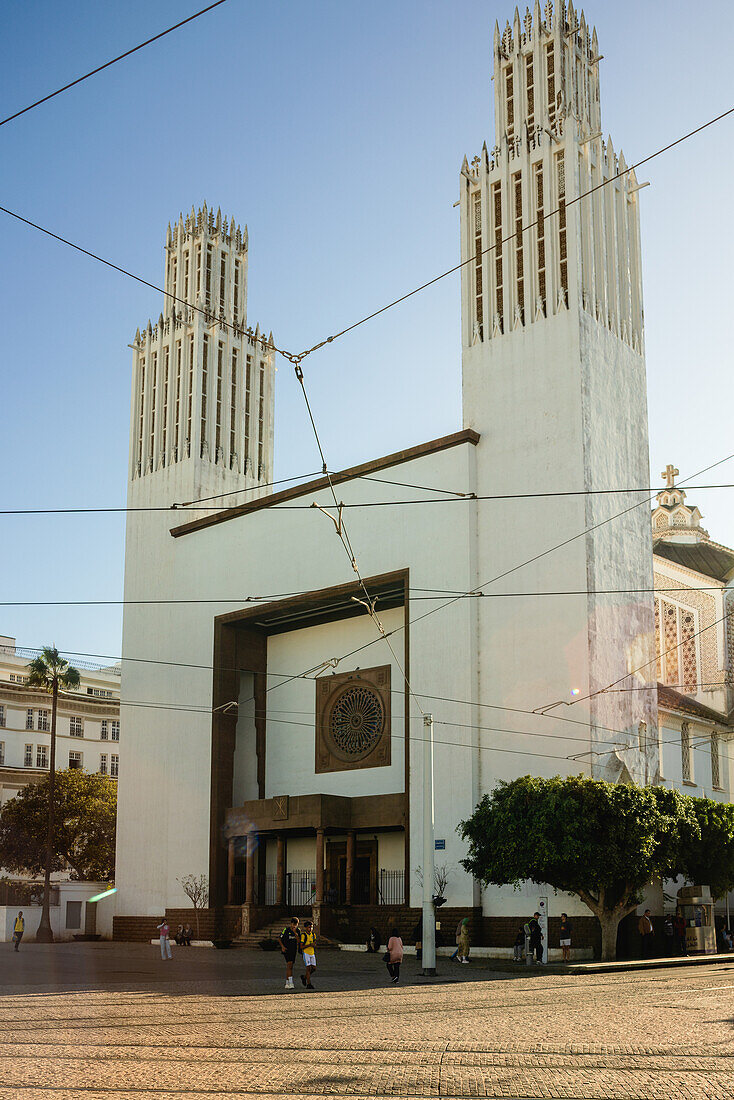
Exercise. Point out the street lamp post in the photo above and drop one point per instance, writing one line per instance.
(429, 913)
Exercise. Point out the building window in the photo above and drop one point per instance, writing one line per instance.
(670, 643)
(562, 246)
(218, 410)
(519, 266)
(2, 752)
(208, 281)
(114, 766)
(103, 763)
(248, 383)
(43, 720)
(41, 756)
(530, 87)
(29, 719)
(153, 387)
(176, 421)
(28, 758)
(685, 752)
(100, 693)
(186, 277)
(104, 733)
(73, 914)
(233, 407)
(141, 415)
(498, 287)
(164, 424)
(510, 101)
(688, 650)
(478, 285)
(550, 68)
(540, 233)
(235, 311)
(191, 388)
(204, 387)
(76, 727)
(198, 269)
(222, 282)
(2, 715)
(261, 420)
(174, 265)
(715, 761)
(115, 729)
(75, 760)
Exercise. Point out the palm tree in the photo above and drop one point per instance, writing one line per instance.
(50, 671)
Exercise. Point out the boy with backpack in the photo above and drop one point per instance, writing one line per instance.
(308, 949)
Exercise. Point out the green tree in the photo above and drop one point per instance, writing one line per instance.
(599, 841)
(52, 673)
(707, 854)
(84, 827)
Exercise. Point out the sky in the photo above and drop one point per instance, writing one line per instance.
(336, 131)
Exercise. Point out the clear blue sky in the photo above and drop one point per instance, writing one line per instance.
(336, 131)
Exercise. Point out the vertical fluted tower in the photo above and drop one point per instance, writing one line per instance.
(202, 379)
(554, 381)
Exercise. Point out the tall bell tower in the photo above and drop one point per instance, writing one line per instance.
(554, 381)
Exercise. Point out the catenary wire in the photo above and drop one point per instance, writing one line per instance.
(297, 358)
(512, 236)
(276, 506)
(438, 594)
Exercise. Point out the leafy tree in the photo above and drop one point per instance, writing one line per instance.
(707, 855)
(52, 673)
(599, 841)
(196, 889)
(83, 828)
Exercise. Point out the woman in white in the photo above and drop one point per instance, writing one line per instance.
(164, 931)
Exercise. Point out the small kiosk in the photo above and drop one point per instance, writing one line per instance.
(696, 907)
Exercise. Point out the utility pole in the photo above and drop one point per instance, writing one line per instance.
(429, 912)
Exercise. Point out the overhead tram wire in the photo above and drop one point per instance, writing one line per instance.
(297, 358)
(438, 594)
(277, 506)
(107, 64)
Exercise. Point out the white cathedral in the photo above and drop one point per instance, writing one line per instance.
(274, 744)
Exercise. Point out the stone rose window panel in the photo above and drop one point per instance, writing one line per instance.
(353, 720)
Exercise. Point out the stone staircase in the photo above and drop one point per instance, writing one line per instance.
(271, 932)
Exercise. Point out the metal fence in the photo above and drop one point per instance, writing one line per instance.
(301, 887)
(391, 888)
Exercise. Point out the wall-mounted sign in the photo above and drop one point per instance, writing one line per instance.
(440, 845)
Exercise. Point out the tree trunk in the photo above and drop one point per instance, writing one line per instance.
(609, 922)
(45, 932)
(196, 913)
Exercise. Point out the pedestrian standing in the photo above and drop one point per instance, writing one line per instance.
(289, 941)
(519, 945)
(536, 938)
(18, 930)
(394, 955)
(565, 937)
(669, 933)
(457, 940)
(645, 928)
(679, 925)
(308, 947)
(164, 932)
(463, 941)
(373, 941)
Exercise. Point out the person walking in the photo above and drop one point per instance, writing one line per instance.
(645, 928)
(308, 948)
(535, 937)
(394, 955)
(565, 937)
(18, 930)
(463, 940)
(164, 932)
(519, 945)
(289, 940)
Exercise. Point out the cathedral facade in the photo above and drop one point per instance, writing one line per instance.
(277, 739)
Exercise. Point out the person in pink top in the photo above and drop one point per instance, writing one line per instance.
(165, 933)
(394, 955)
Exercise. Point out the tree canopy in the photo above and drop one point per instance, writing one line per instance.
(600, 841)
(50, 666)
(707, 853)
(84, 827)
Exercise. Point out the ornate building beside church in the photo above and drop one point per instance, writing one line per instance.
(281, 751)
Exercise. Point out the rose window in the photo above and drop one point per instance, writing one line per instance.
(356, 722)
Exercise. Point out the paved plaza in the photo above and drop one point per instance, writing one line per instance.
(114, 1022)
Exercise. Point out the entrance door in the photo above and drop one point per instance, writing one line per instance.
(362, 884)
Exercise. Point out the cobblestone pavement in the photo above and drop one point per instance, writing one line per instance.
(113, 1022)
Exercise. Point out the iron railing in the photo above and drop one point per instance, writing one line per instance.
(391, 888)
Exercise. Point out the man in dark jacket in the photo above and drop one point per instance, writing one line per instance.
(535, 938)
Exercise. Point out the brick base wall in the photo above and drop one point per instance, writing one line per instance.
(502, 931)
(211, 921)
